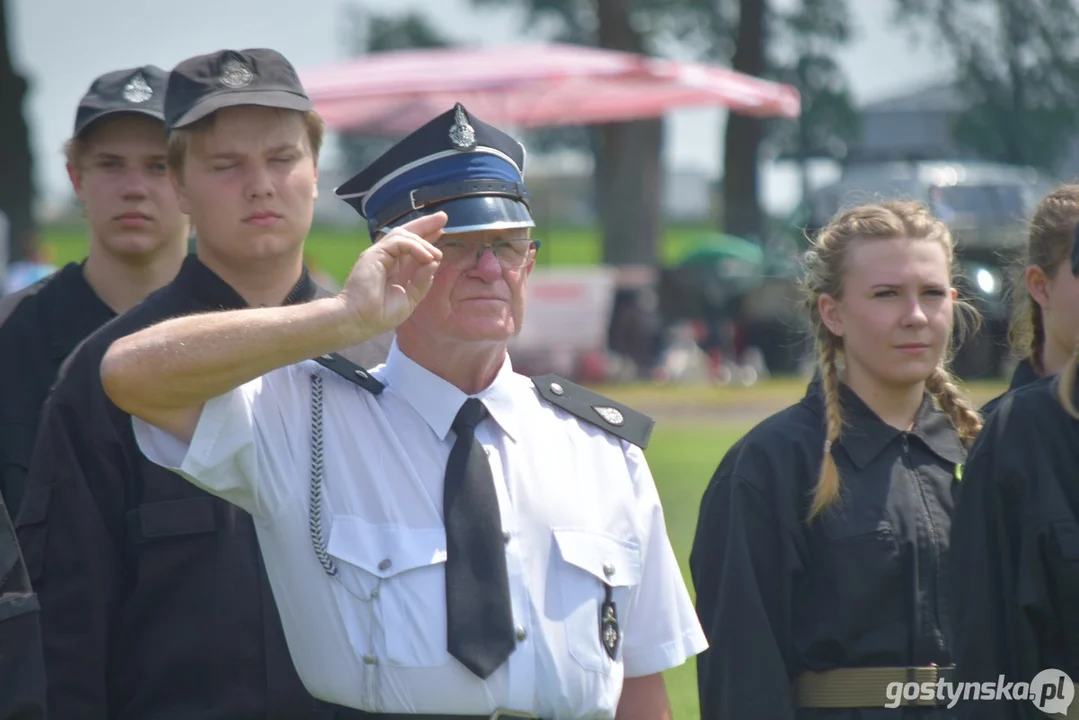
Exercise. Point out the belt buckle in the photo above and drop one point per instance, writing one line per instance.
(932, 674)
(501, 713)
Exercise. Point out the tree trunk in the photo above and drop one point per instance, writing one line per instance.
(629, 192)
(16, 161)
(1015, 37)
(628, 163)
(741, 205)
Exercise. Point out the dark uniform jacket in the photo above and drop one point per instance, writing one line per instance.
(863, 585)
(39, 327)
(22, 669)
(1024, 374)
(155, 602)
(1016, 537)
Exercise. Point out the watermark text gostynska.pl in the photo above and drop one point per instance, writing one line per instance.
(1050, 690)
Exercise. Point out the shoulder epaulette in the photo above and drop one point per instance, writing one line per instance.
(606, 414)
(351, 371)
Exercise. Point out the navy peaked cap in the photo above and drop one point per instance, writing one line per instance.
(457, 164)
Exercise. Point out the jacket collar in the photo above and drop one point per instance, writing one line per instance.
(210, 291)
(1024, 374)
(864, 435)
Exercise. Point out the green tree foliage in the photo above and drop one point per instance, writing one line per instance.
(1017, 65)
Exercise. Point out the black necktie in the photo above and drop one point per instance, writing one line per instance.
(479, 616)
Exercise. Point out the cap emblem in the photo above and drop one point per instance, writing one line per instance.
(462, 135)
(137, 90)
(235, 74)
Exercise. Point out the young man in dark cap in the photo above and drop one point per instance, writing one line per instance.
(138, 236)
(116, 162)
(155, 603)
(444, 536)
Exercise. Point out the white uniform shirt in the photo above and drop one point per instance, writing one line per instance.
(579, 508)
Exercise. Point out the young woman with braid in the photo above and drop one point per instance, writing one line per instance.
(1016, 536)
(1045, 325)
(821, 554)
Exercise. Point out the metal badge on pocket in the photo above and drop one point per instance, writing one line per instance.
(609, 634)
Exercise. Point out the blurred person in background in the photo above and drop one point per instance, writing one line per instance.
(116, 163)
(1045, 326)
(24, 273)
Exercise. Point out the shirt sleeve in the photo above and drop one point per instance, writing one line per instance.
(248, 444)
(22, 666)
(69, 528)
(742, 567)
(662, 630)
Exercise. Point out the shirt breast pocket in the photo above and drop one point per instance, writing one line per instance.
(392, 582)
(861, 581)
(593, 565)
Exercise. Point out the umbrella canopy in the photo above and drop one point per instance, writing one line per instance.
(720, 248)
(528, 86)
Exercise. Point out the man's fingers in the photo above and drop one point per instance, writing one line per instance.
(421, 281)
(400, 244)
(428, 227)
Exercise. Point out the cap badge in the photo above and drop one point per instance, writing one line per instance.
(137, 90)
(609, 414)
(235, 74)
(462, 135)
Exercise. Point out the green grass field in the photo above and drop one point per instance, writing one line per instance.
(683, 452)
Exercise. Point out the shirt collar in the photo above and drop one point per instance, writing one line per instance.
(1024, 374)
(206, 287)
(864, 435)
(438, 401)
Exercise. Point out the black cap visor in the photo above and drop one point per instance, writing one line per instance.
(281, 99)
(85, 123)
(470, 214)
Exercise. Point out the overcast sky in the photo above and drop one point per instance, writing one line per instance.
(61, 45)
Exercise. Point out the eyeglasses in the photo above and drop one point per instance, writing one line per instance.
(511, 254)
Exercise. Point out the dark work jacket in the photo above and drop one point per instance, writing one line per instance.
(39, 327)
(1024, 374)
(22, 669)
(1016, 536)
(154, 599)
(863, 585)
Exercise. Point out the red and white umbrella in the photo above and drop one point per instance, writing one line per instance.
(529, 86)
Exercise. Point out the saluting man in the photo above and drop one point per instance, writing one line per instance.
(443, 535)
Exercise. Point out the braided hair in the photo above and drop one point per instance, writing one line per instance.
(1049, 239)
(825, 264)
